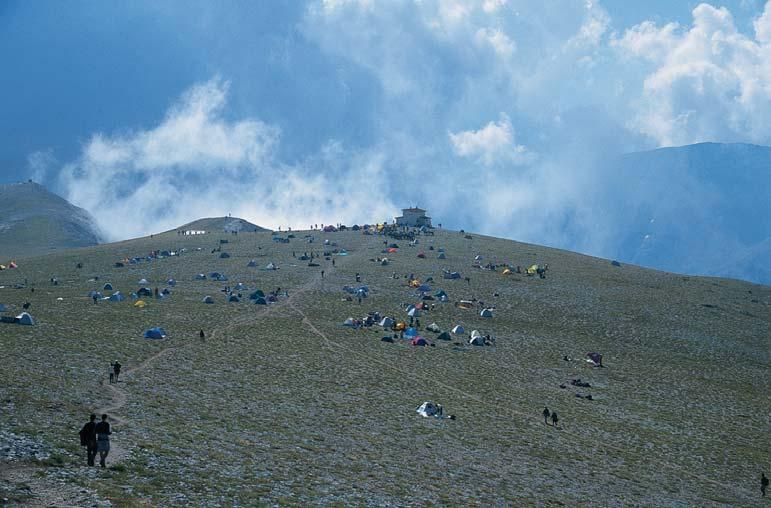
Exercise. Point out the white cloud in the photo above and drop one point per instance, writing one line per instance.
(196, 163)
(491, 144)
(709, 81)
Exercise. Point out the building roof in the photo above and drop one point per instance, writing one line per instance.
(413, 209)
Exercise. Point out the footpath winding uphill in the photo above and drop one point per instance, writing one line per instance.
(280, 403)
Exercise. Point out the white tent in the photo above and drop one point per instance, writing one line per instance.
(433, 327)
(384, 262)
(200, 276)
(348, 322)
(478, 258)
(477, 341)
(475, 333)
(486, 313)
(143, 281)
(413, 312)
(270, 266)
(458, 329)
(427, 409)
(386, 322)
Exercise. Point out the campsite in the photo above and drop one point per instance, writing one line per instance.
(282, 404)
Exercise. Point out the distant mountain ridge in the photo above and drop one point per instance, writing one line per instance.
(698, 209)
(34, 221)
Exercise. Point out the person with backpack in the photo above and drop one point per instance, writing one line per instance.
(88, 439)
(554, 418)
(116, 369)
(546, 415)
(763, 484)
(202, 335)
(103, 440)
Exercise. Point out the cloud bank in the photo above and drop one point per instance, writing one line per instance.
(196, 163)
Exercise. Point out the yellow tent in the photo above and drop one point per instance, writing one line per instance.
(401, 325)
(463, 304)
(415, 283)
(380, 227)
(506, 271)
(2, 267)
(140, 303)
(532, 270)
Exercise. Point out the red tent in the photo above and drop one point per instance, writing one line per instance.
(419, 341)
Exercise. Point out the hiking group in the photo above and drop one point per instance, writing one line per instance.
(96, 438)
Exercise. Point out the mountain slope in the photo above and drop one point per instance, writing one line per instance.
(280, 404)
(698, 209)
(35, 221)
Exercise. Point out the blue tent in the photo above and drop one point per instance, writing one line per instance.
(107, 287)
(224, 255)
(171, 282)
(260, 301)
(155, 333)
(233, 298)
(3, 308)
(208, 299)
(117, 297)
(92, 294)
(257, 294)
(200, 276)
(424, 288)
(410, 332)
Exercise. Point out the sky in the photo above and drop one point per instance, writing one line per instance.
(495, 115)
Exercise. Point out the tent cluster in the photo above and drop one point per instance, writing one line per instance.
(10, 265)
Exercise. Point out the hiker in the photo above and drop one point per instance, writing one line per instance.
(359, 298)
(94, 297)
(103, 439)
(111, 372)
(116, 367)
(763, 484)
(358, 277)
(468, 280)
(322, 274)
(88, 439)
(333, 261)
(202, 335)
(554, 418)
(546, 415)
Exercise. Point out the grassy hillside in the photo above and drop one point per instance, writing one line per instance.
(223, 224)
(34, 221)
(282, 405)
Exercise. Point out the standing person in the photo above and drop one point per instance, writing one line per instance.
(94, 297)
(111, 372)
(103, 440)
(546, 415)
(554, 418)
(88, 439)
(202, 335)
(763, 484)
(333, 261)
(358, 277)
(116, 367)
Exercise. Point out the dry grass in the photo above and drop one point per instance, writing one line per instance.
(271, 409)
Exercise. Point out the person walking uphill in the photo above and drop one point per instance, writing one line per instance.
(546, 415)
(103, 440)
(554, 418)
(763, 484)
(116, 369)
(88, 439)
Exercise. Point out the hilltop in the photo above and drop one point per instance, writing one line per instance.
(222, 224)
(282, 405)
(34, 221)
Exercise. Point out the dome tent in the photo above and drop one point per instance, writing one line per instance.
(155, 333)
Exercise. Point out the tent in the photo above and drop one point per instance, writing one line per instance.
(441, 256)
(252, 263)
(415, 312)
(393, 246)
(478, 258)
(208, 299)
(270, 266)
(3, 308)
(349, 322)
(392, 250)
(329, 229)
(155, 333)
(486, 313)
(139, 303)
(433, 327)
(107, 287)
(594, 358)
(506, 271)
(386, 322)
(532, 270)
(410, 332)
(475, 333)
(260, 301)
(25, 319)
(143, 281)
(615, 263)
(427, 409)
(477, 341)
(234, 298)
(424, 288)
(144, 292)
(465, 304)
(224, 255)
(422, 255)
(117, 297)
(240, 287)
(200, 276)
(171, 282)
(257, 294)
(444, 336)
(134, 296)
(13, 264)
(458, 330)
(419, 341)
(440, 293)
(415, 283)
(401, 325)
(97, 294)
(451, 275)
(384, 262)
